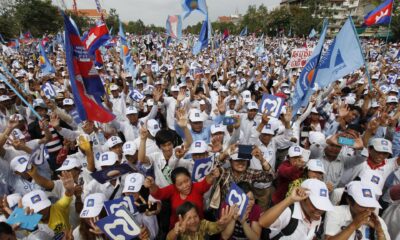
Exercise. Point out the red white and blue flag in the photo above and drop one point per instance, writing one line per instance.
(174, 26)
(96, 37)
(380, 15)
(86, 84)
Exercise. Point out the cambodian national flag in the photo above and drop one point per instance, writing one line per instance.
(45, 66)
(174, 26)
(86, 84)
(98, 61)
(380, 15)
(96, 37)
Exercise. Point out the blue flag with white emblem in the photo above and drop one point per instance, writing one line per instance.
(205, 34)
(120, 225)
(201, 168)
(343, 56)
(272, 105)
(237, 197)
(307, 75)
(190, 5)
(112, 206)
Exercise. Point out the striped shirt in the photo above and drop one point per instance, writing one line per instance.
(55, 143)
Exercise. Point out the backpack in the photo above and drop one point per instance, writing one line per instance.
(291, 227)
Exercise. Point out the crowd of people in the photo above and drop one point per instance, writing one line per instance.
(328, 171)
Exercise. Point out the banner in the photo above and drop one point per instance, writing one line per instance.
(299, 57)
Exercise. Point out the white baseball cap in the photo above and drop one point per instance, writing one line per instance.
(374, 104)
(314, 110)
(133, 183)
(252, 105)
(93, 205)
(269, 128)
(315, 165)
(68, 101)
(4, 98)
(381, 145)
(196, 116)
(230, 113)
(198, 146)
(70, 163)
(153, 127)
(317, 138)
(17, 134)
(114, 87)
(217, 128)
(36, 200)
(13, 199)
(318, 194)
(295, 151)
(131, 110)
(174, 88)
(108, 158)
(392, 99)
(129, 148)
(112, 141)
(19, 163)
(373, 179)
(363, 194)
(150, 102)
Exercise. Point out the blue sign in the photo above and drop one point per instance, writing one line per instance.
(48, 90)
(28, 222)
(201, 168)
(111, 173)
(272, 104)
(113, 205)
(119, 225)
(136, 95)
(39, 156)
(236, 196)
(392, 78)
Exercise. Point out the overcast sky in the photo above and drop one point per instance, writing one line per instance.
(156, 11)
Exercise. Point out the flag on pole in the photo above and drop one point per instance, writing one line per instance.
(343, 56)
(380, 15)
(243, 32)
(203, 38)
(45, 66)
(86, 84)
(98, 60)
(174, 26)
(190, 5)
(307, 75)
(313, 33)
(28, 35)
(96, 37)
(226, 34)
(125, 54)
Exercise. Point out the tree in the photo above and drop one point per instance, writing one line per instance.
(37, 16)
(112, 21)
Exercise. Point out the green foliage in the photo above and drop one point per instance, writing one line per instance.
(112, 20)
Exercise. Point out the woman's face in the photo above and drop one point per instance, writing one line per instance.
(183, 184)
(239, 165)
(192, 220)
(251, 202)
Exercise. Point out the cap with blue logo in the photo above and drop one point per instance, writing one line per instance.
(363, 194)
(315, 165)
(112, 141)
(108, 159)
(198, 146)
(36, 200)
(93, 205)
(129, 148)
(318, 194)
(381, 145)
(153, 127)
(133, 183)
(70, 163)
(19, 164)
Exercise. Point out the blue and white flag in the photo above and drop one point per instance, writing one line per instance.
(201, 168)
(272, 105)
(135, 95)
(48, 90)
(243, 33)
(313, 33)
(174, 26)
(343, 56)
(112, 206)
(45, 66)
(39, 155)
(190, 5)
(237, 197)
(205, 34)
(125, 54)
(307, 75)
(120, 225)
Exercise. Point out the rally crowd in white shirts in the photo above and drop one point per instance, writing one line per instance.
(328, 171)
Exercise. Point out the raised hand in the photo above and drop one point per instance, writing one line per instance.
(148, 182)
(344, 110)
(157, 94)
(227, 214)
(256, 152)
(181, 118)
(68, 182)
(287, 117)
(180, 226)
(143, 132)
(93, 227)
(181, 151)
(13, 122)
(84, 143)
(181, 95)
(54, 120)
(298, 194)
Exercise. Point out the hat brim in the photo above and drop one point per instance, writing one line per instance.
(320, 203)
(37, 207)
(91, 212)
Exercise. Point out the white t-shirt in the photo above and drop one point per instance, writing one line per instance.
(341, 217)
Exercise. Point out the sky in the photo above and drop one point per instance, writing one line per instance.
(156, 11)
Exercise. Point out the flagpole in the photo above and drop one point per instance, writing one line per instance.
(390, 23)
(12, 76)
(362, 54)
